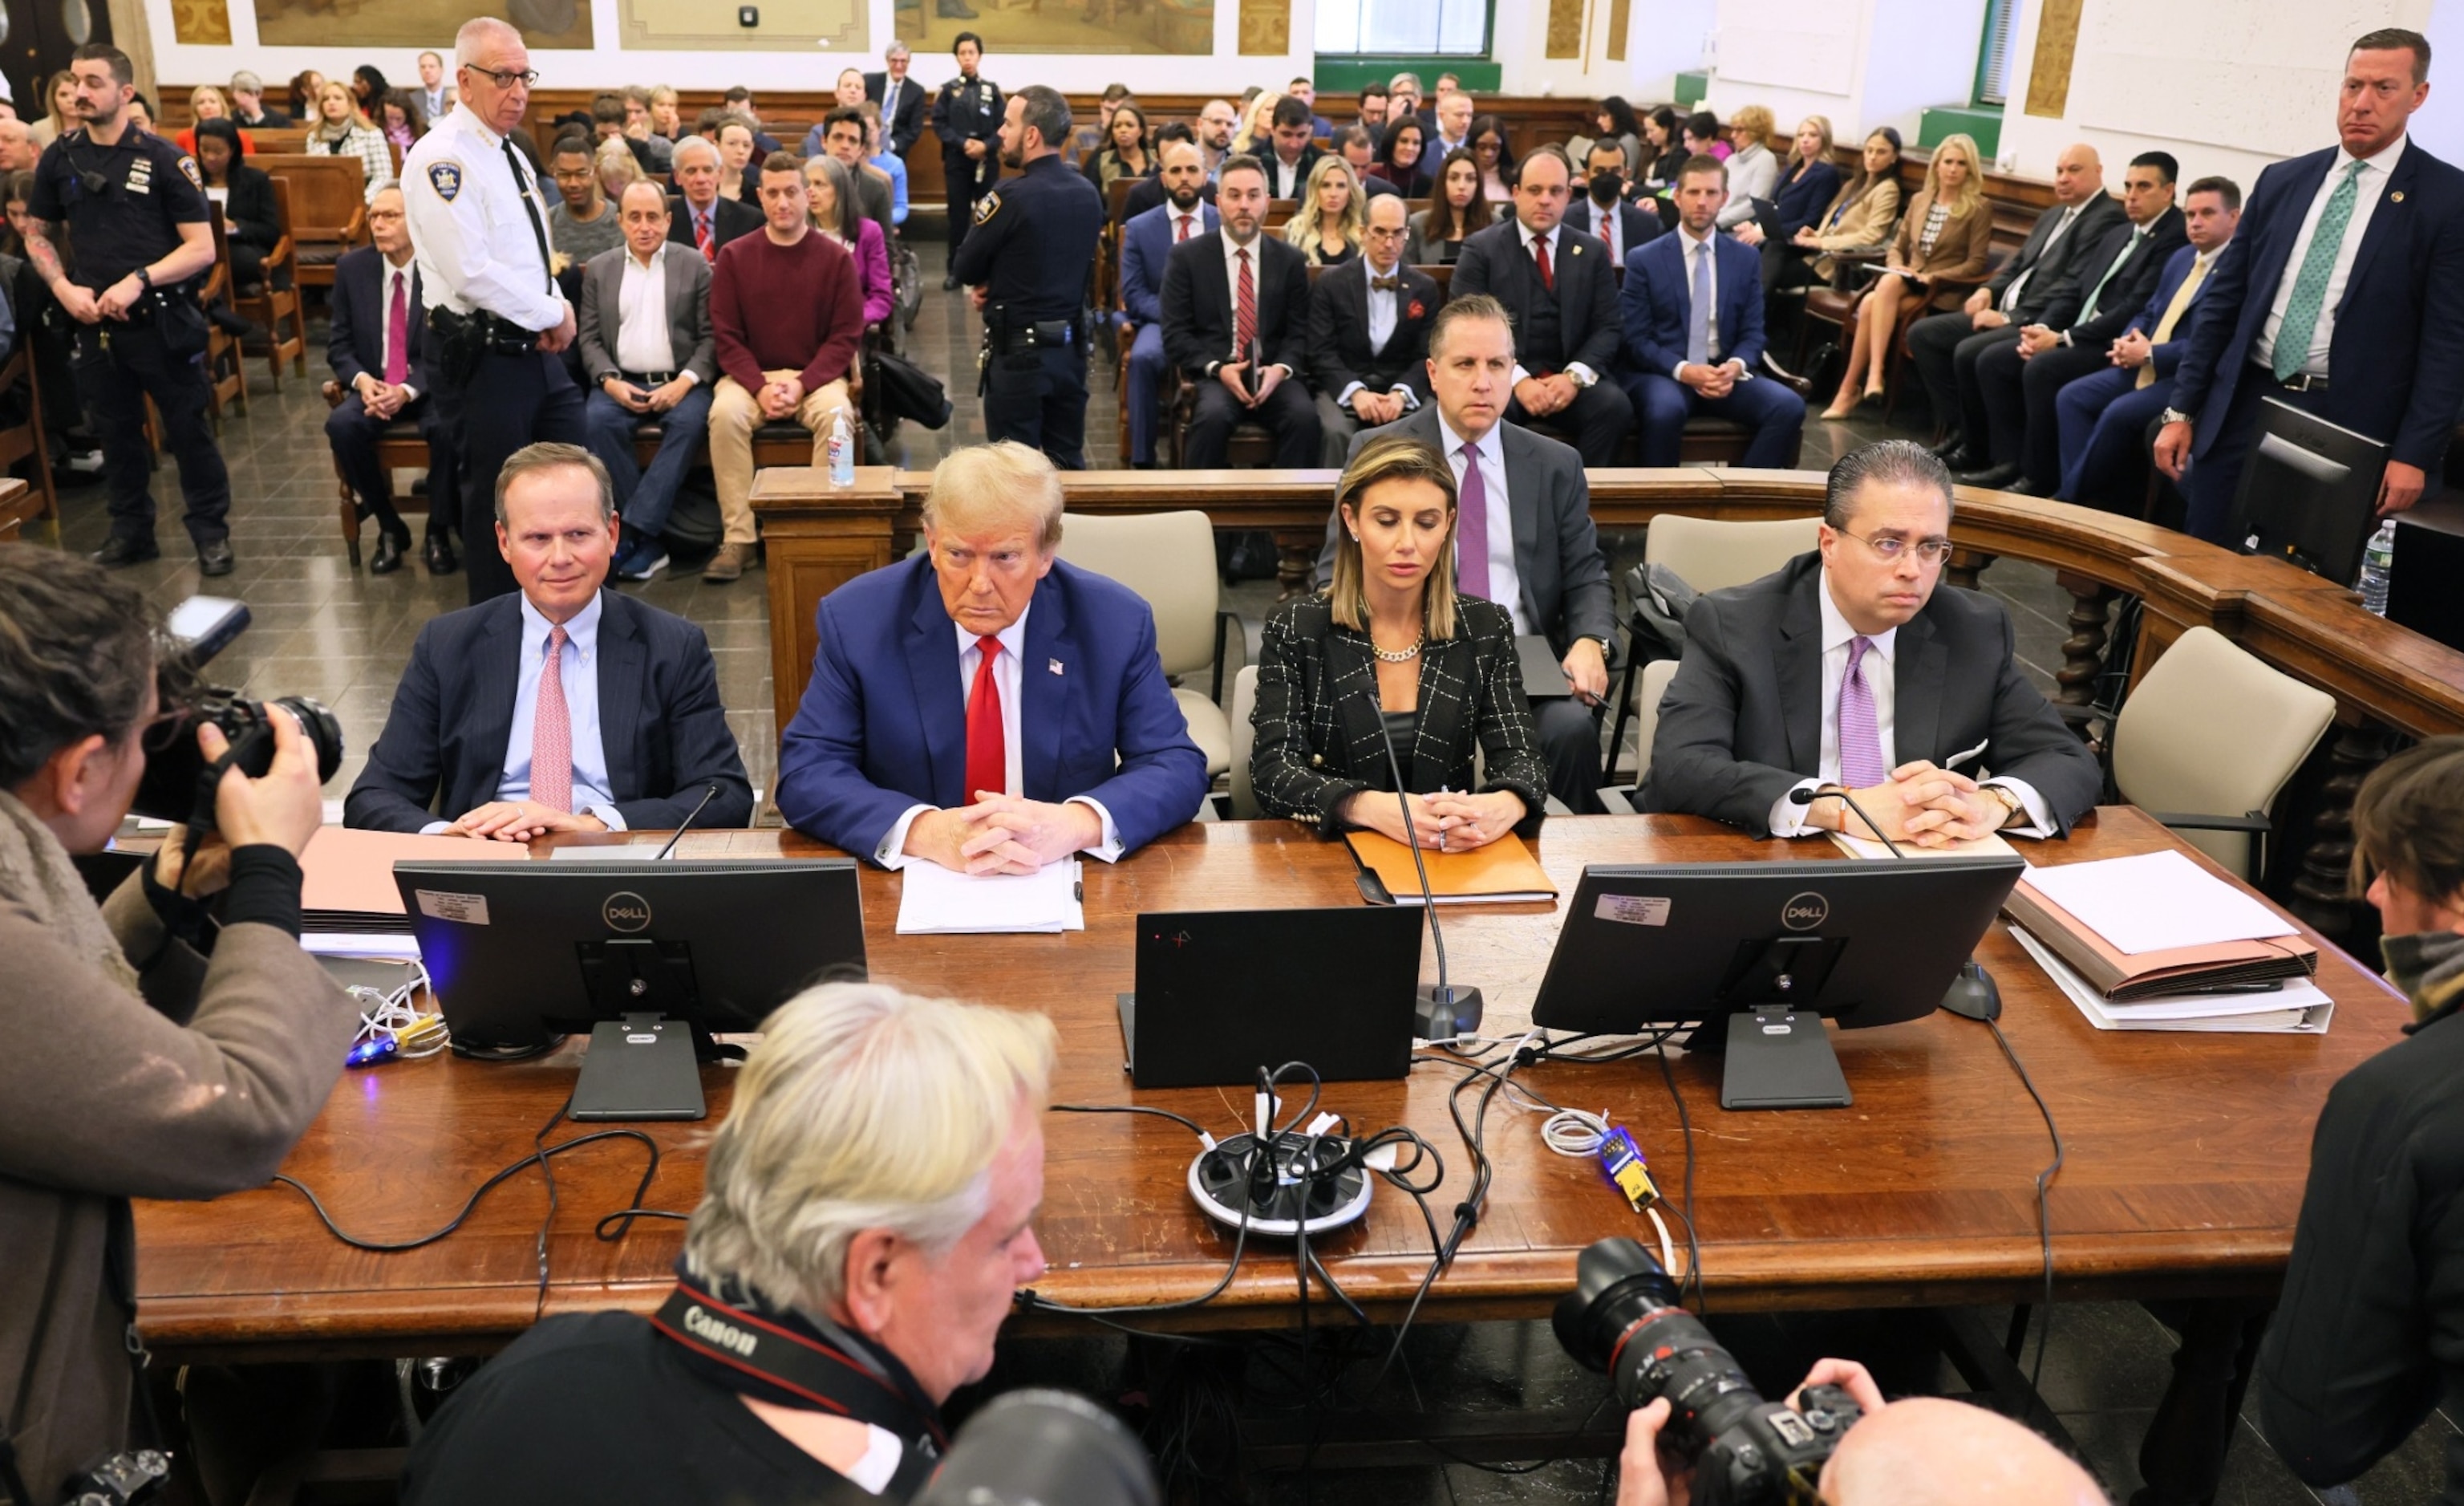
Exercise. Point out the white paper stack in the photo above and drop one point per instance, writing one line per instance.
(2297, 1006)
(935, 901)
(1990, 845)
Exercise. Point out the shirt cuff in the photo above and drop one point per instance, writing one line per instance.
(436, 829)
(1677, 372)
(1519, 374)
(608, 816)
(892, 854)
(2041, 817)
(409, 393)
(1109, 849)
(1788, 817)
(1410, 399)
(688, 378)
(1582, 375)
(1343, 399)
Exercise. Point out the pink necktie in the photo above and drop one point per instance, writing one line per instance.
(551, 733)
(1860, 742)
(398, 332)
(1471, 528)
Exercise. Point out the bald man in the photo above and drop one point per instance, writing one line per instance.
(1946, 347)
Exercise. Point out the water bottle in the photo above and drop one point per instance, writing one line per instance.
(842, 449)
(2378, 561)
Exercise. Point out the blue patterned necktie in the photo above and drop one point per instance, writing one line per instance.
(2310, 289)
(1698, 322)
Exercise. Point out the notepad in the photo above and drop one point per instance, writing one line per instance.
(936, 901)
(2297, 1008)
(2156, 903)
(1503, 872)
(1989, 845)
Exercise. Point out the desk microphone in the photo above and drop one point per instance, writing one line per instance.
(1972, 991)
(1442, 1012)
(708, 795)
(1802, 796)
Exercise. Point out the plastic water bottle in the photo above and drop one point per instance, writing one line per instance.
(842, 449)
(2378, 561)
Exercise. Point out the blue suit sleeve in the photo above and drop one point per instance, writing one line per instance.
(399, 785)
(2219, 308)
(1162, 775)
(1140, 293)
(2438, 369)
(1642, 333)
(823, 790)
(700, 748)
(1745, 299)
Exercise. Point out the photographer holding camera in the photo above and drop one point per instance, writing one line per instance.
(150, 1052)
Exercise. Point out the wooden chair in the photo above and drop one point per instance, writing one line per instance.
(226, 370)
(329, 210)
(278, 300)
(400, 448)
(25, 440)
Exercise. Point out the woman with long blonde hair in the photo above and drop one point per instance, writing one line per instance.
(1334, 215)
(1944, 237)
(60, 110)
(341, 131)
(1256, 136)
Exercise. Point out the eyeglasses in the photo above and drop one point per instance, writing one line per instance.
(1930, 551)
(503, 81)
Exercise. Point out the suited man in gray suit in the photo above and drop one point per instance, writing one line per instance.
(653, 368)
(1853, 667)
(1523, 534)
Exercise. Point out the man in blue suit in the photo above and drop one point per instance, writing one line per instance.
(1146, 241)
(2102, 418)
(985, 706)
(2342, 296)
(562, 707)
(1692, 306)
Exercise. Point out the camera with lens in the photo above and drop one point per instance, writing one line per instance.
(1623, 1316)
(180, 781)
(1043, 1446)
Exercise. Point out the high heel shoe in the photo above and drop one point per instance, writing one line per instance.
(1835, 413)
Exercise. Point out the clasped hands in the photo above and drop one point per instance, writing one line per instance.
(1234, 375)
(1543, 395)
(383, 399)
(1003, 833)
(1373, 408)
(520, 820)
(1712, 381)
(1919, 805)
(781, 399)
(656, 400)
(1446, 822)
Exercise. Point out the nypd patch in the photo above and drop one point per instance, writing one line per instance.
(445, 178)
(188, 166)
(987, 207)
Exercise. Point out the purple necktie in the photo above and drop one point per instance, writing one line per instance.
(1860, 742)
(1471, 529)
(397, 358)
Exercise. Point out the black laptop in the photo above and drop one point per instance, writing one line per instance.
(1223, 992)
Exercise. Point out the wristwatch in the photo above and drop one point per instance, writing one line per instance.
(2172, 415)
(2012, 804)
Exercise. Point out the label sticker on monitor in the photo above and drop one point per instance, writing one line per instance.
(1633, 909)
(465, 909)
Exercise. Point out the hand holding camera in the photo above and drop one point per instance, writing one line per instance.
(283, 807)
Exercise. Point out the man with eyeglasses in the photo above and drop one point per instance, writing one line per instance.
(1852, 669)
(497, 318)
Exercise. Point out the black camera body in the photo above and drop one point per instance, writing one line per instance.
(1623, 1317)
(179, 783)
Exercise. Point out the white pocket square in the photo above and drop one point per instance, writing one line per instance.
(1957, 759)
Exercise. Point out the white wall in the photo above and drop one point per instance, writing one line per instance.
(1852, 62)
(1667, 37)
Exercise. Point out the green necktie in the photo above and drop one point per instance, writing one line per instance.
(2310, 288)
(2087, 310)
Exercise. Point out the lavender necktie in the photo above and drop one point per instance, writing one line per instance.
(1861, 742)
(1471, 530)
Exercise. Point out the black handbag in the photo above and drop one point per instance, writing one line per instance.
(909, 392)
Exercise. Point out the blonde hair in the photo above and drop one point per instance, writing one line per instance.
(203, 92)
(616, 166)
(1971, 192)
(1305, 228)
(357, 117)
(977, 483)
(864, 1107)
(1392, 458)
(1257, 130)
(1755, 120)
(1821, 123)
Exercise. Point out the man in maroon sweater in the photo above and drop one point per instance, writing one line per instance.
(787, 312)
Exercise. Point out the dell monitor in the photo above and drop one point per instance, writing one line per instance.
(2309, 492)
(651, 957)
(1767, 950)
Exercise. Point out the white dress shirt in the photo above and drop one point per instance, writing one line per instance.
(1289, 180)
(394, 275)
(478, 250)
(1008, 678)
(1880, 668)
(1385, 310)
(643, 346)
(1256, 249)
(1582, 375)
(1175, 219)
(1609, 225)
(2367, 194)
(2010, 293)
(578, 672)
(1505, 587)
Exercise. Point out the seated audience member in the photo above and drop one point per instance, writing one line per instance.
(305, 85)
(252, 220)
(1304, 90)
(1392, 641)
(1369, 337)
(1861, 211)
(786, 307)
(1125, 151)
(848, 96)
(2355, 1358)
(1256, 136)
(1778, 701)
(889, 163)
(1459, 210)
(610, 119)
(844, 133)
(1372, 115)
(399, 120)
(156, 1050)
(830, 193)
(1664, 151)
(1358, 150)
(1216, 120)
(1236, 322)
(871, 1198)
(2103, 417)
(1558, 286)
(1601, 210)
(667, 117)
(1292, 156)
(1808, 182)
(1753, 173)
(2019, 383)
(1945, 236)
(1550, 578)
(1494, 157)
(1327, 228)
(1703, 137)
(206, 102)
(377, 354)
(1149, 192)
(986, 706)
(901, 100)
(341, 130)
(618, 171)
(1090, 139)
(646, 348)
(435, 94)
(564, 707)
(18, 152)
(1613, 120)
(1402, 160)
(637, 99)
(1403, 99)
(700, 216)
(739, 175)
(1450, 122)
(247, 102)
(1692, 311)
(739, 101)
(581, 224)
(1147, 242)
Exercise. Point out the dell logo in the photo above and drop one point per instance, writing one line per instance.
(626, 910)
(710, 1330)
(1804, 912)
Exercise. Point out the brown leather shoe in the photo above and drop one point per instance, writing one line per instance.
(728, 563)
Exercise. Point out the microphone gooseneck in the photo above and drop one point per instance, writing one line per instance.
(1443, 1013)
(708, 795)
(1807, 797)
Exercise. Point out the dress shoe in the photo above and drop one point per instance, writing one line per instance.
(1953, 443)
(390, 551)
(950, 283)
(440, 555)
(214, 557)
(1963, 458)
(1992, 479)
(122, 549)
(2022, 487)
(728, 563)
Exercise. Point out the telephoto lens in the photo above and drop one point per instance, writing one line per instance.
(1044, 1447)
(176, 789)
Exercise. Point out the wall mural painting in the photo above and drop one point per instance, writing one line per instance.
(1178, 27)
(416, 23)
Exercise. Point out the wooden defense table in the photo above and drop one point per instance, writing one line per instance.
(2184, 1170)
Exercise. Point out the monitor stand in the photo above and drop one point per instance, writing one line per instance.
(1780, 1058)
(643, 1068)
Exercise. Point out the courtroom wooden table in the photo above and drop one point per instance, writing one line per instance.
(2186, 1152)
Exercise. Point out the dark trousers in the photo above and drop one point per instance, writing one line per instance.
(1288, 413)
(116, 371)
(2216, 471)
(2018, 393)
(49, 339)
(2104, 420)
(354, 432)
(1597, 420)
(510, 401)
(1570, 744)
(1144, 395)
(1039, 398)
(1945, 347)
(2182, 1457)
(645, 498)
(966, 181)
(1772, 411)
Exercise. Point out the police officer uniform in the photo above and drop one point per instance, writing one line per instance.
(123, 205)
(967, 110)
(1032, 249)
(478, 223)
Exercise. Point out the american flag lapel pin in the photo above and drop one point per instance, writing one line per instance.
(1054, 665)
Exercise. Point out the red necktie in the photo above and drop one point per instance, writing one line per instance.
(987, 755)
(1185, 229)
(398, 332)
(551, 733)
(702, 240)
(1245, 318)
(1540, 253)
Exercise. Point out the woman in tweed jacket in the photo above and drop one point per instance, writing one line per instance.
(1391, 650)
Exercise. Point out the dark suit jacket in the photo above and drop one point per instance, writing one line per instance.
(1557, 558)
(2397, 354)
(2177, 267)
(1338, 332)
(1198, 304)
(1320, 738)
(907, 123)
(883, 725)
(250, 215)
(1656, 303)
(1800, 201)
(1146, 247)
(2125, 290)
(660, 721)
(1495, 262)
(729, 219)
(1742, 724)
(1634, 227)
(355, 341)
(2047, 267)
(1148, 194)
(689, 340)
(1378, 187)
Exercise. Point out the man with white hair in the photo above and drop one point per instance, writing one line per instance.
(17, 150)
(984, 705)
(864, 1222)
(247, 102)
(699, 215)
